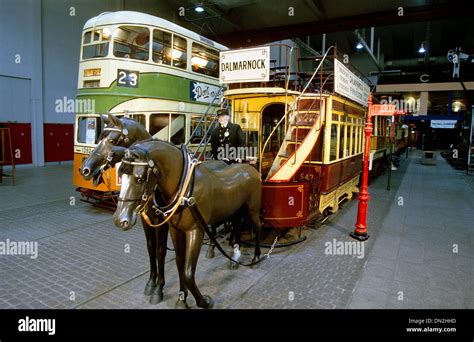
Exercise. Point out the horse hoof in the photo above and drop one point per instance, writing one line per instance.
(210, 253)
(181, 304)
(149, 287)
(207, 302)
(255, 259)
(156, 298)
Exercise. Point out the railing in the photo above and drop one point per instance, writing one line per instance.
(293, 109)
(202, 121)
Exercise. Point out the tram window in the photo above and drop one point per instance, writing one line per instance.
(132, 42)
(161, 47)
(179, 54)
(160, 127)
(140, 118)
(342, 147)
(99, 47)
(200, 128)
(95, 51)
(333, 144)
(87, 38)
(88, 130)
(204, 60)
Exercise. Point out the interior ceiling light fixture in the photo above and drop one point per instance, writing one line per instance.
(199, 8)
(359, 46)
(422, 48)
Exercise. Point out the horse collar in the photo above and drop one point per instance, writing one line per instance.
(187, 166)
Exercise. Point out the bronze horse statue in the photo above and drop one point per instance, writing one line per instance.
(155, 170)
(118, 135)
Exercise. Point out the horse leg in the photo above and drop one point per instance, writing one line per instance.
(210, 251)
(161, 244)
(254, 219)
(236, 223)
(151, 248)
(179, 243)
(193, 247)
(232, 237)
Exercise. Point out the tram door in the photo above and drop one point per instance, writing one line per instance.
(271, 115)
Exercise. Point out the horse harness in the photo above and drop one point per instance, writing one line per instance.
(110, 156)
(181, 200)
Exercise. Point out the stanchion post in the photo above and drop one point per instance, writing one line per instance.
(360, 233)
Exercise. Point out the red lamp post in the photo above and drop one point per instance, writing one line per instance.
(360, 233)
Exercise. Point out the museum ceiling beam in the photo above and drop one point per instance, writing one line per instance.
(254, 37)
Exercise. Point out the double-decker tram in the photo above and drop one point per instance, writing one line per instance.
(148, 69)
(309, 138)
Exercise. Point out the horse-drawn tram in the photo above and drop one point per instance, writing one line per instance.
(147, 69)
(309, 138)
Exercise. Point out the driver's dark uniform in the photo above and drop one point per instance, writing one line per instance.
(229, 136)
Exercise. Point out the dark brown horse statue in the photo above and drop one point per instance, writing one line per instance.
(123, 133)
(118, 135)
(159, 178)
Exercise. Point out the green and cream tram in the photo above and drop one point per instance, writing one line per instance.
(147, 68)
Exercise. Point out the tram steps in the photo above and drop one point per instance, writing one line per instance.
(302, 134)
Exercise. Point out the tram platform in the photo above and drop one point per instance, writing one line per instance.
(420, 253)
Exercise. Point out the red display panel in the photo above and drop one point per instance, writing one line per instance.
(58, 142)
(21, 143)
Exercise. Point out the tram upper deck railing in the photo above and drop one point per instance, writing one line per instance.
(297, 72)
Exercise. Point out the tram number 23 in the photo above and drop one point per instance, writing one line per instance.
(127, 78)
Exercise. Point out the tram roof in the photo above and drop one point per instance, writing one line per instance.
(138, 18)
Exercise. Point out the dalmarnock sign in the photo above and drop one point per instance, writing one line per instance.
(245, 65)
(349, 85)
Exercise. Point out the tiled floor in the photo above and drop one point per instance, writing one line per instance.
(420, 253)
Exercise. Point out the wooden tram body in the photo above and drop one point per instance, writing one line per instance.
(315, 165)
(310, 144)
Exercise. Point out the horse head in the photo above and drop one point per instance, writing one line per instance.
(136, 172)
(147, 167)
(116, 136)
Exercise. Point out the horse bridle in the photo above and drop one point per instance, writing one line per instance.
(110, 156)
(181, 198)
(123, 134)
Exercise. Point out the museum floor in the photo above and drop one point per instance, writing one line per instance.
(420, 254)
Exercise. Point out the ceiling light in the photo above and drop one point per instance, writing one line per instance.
(199, 9)
(359, 46)
(422, 48)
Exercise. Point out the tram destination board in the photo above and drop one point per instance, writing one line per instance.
(245, 65)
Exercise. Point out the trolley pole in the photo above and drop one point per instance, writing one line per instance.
(360, 233)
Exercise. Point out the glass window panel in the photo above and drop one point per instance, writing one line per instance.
(132, 42)
(87, 38)
(179, 54)
(205, 60)
(342, 147)
(161, 47)
(333, 144)
(88, 129)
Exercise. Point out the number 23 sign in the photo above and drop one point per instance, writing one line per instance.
(127, 78)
